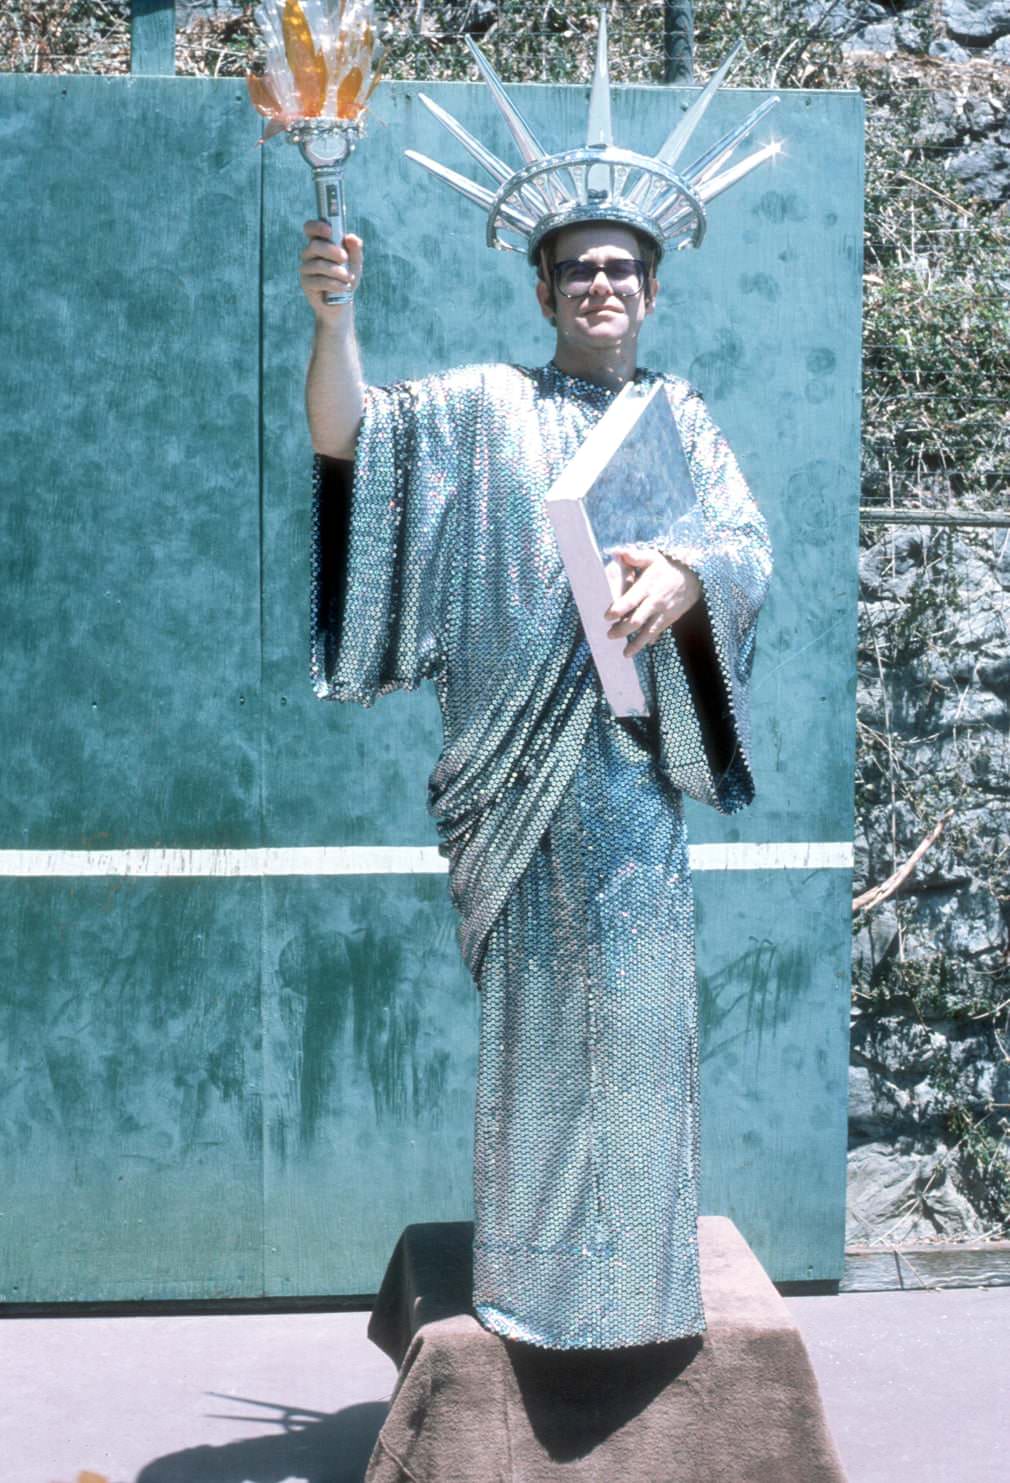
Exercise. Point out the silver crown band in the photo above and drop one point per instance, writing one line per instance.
(597, 202)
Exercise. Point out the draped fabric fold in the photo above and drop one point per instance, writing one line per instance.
(698, 675)
(498, 782)
(383, 629)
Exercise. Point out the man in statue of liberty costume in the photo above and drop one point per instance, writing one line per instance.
(562, 824)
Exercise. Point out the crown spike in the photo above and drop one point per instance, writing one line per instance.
(491, 163)
(528, 144)
(673, 146)
(720, 183)
(676, 141)
(706, 164)
(599, 127)
(469, 188)
(479, 194)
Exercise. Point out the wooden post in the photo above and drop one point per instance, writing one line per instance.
(152, 38)
(678, 41)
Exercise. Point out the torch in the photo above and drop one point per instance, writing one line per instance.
(322, 65)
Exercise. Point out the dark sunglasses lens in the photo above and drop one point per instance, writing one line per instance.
(624, 276)
(573, 278)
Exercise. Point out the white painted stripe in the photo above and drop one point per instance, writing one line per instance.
(367, 860)
(340, 860)
(832, 855)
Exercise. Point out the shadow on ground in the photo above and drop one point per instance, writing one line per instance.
(313, 1446)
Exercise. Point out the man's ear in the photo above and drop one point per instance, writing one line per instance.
(545, 298)
(650, 302)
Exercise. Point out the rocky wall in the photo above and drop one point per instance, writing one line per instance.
(963, 40)
(930, 1070)
(929, 1115)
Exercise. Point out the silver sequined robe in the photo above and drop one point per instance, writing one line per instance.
(563, 826)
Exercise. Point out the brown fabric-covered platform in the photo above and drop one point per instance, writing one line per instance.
(739, 1405)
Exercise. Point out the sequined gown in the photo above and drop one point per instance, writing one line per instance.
(563, 827)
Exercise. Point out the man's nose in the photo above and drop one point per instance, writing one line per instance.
(601, 283)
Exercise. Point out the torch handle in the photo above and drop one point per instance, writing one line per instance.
(329, 185)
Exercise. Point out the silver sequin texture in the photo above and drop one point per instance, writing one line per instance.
(563, 828)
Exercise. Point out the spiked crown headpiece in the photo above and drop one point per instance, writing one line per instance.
(599, 182)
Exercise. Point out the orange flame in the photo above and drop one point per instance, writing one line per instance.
(347, 94)
(308, 66)
(332, 76)
(262, 95)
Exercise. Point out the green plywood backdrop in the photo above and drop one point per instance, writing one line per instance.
(130, 391)
(244, 1086)
(131, 1123)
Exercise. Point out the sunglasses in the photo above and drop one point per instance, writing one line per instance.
(574, 278)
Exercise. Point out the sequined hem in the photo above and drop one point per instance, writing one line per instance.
(497, 1322)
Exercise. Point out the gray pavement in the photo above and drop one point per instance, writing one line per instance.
(916, 1386)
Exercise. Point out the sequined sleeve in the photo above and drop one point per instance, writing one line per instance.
(381, 567)
(701, 669)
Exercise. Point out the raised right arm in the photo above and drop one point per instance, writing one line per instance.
(334, 386)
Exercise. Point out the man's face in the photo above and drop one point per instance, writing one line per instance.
(598, 318)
